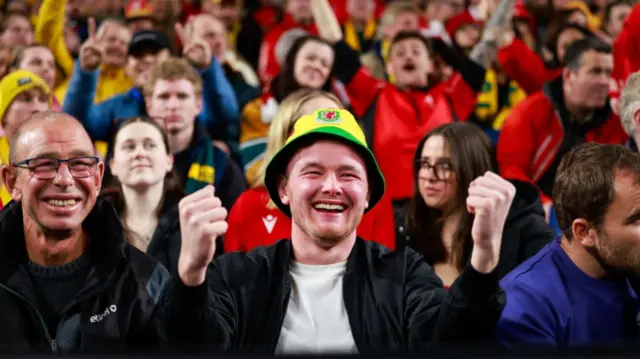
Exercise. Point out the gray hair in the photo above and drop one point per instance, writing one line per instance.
(630, 103)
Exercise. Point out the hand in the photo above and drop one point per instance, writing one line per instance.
(490, 198)
(202, 219)
(197, 51)
(92, 50)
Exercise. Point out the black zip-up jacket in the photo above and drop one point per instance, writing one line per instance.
(114, 312)
(394, 302)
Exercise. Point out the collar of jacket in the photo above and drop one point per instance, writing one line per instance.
(356, 261)
(107, 239)
(555, 93)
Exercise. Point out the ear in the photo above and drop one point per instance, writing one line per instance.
(566, 73)
(199, 104)
(282, 190)
(98, 177)
(9, 179)
(636, 118)
(147, 104)
(170, 161)
(584, 232)
(113, 169)
(389, 68)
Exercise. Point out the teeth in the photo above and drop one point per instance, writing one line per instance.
(59, 203)
(329, 207)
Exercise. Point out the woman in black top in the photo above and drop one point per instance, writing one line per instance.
(437, 222)
(145, 191)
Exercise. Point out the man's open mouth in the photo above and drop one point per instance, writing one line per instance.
(329, 207)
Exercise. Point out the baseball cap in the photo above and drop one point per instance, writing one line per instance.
(15, 83)
(335, 124)
(148, 39)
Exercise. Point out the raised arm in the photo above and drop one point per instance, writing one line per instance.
(470, 310)
(49, 31)
(485, 52)
(196, 310)
(362, 86)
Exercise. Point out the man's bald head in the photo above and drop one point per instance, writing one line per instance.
(43, 121)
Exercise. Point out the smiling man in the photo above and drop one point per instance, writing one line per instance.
(69, 282)
(326, 290)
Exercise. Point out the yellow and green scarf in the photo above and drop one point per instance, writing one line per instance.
(205, 159)
(487, 109)
(351, 34)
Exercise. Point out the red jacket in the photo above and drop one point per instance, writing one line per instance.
(626, 54)
(400, 119)
(532, 136)
(526, 68)
(268, 66)
(252, 224)
(267, 17)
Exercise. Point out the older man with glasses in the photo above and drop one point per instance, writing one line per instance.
(69, 281)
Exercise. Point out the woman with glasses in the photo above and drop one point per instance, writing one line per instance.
(438, 224)
(145, 191)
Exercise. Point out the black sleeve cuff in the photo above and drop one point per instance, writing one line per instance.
(347, 62)
(472, 73)
(188, 297)
(473, 284)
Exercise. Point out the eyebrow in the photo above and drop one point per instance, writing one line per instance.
(74, 153)
(319, 166)
(632, 218)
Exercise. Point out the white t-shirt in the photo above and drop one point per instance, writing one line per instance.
(316, 320)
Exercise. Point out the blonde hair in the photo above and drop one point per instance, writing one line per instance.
(282, 125)
(630, 103)
(172, 69)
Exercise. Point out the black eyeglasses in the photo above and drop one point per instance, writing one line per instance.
(47, 168)
(442, 171)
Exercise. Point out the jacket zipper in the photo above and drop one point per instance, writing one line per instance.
(52, 342)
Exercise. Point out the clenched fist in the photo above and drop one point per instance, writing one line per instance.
(490, 198)
(202, 220)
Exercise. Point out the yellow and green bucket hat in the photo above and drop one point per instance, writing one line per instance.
(335, 124)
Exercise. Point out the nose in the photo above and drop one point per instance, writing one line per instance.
(173, 103)
(429, 174)
(63, 177)
(331, 185)
(139, 152)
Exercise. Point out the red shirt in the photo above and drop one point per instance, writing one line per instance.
(252, 224)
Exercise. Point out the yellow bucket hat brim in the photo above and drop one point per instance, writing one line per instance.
(335, 124)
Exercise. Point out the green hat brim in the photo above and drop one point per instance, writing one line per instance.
(278, 164)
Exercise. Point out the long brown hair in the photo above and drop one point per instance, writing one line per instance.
(172, 190)
(471, 156)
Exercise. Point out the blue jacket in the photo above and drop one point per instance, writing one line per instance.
(219, 115)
